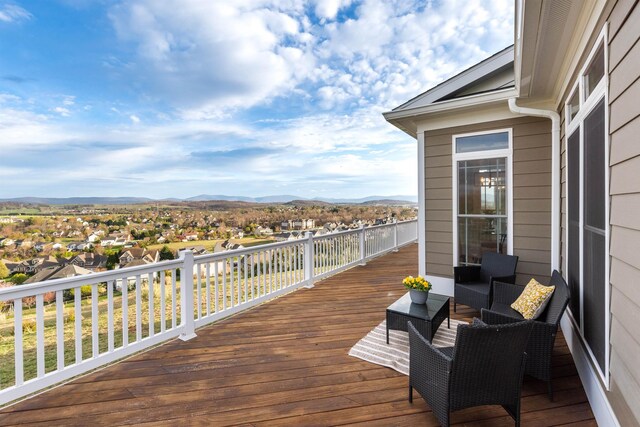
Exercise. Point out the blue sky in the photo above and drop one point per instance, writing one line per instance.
(176, 98)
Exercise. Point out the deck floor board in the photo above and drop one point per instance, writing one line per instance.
(285, 363)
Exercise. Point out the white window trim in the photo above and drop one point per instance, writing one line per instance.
(601, 91)
(477, 155)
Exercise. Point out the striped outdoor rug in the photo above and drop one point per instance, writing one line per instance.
(374, 348)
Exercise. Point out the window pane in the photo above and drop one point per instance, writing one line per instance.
(482, 187)
(573, 201)
(594, 168)
(492, 141)
(479, 235)
(594, 294)
(574, 105)
(594, 72)
(595, 254)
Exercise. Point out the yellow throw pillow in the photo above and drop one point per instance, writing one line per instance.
(533, 300)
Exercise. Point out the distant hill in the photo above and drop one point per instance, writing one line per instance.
(307, 203)
(388, 202)
(79, 200)
(397, 199)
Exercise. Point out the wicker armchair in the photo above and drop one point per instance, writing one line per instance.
(545, 328)
(473, 284)
(485, 367)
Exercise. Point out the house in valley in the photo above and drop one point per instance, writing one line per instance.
(534, 152)
(138, 254)
(59, 272)
(90, 261)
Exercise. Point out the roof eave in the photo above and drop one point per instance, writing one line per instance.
(405, 120)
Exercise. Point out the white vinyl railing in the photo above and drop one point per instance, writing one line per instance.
(65, 327)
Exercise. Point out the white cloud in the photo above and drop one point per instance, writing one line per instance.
(13, 13)
(328, 9)
(62, 111)
(205, 57)
(134, 118)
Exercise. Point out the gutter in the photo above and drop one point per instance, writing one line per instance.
(555, 174)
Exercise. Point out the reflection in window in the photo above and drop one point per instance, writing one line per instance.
(574, 105)
(482, 208)
(490, 141)
(594, 72)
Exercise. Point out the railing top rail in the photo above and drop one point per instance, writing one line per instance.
(31, 289)
(219, 256)
(337, 234)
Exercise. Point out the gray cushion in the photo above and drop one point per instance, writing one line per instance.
(506, 310)
(475, 287)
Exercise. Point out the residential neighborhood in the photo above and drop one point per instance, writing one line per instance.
(83, 240)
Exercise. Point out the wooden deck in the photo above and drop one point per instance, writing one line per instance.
(285, 363)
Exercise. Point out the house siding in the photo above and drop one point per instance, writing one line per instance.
(531, 196)
(624, 161)
(624, 191)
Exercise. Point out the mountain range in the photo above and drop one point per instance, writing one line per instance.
(284, 198)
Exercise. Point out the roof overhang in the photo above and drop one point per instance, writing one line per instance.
(550, 36)
(408, 120)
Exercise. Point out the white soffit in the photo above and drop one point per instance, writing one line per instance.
(549, 28)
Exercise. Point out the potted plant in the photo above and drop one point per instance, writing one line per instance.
(418, 288)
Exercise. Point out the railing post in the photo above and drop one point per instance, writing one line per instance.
(363, 254)
(308, 260)
(395, 235)
(187, 321)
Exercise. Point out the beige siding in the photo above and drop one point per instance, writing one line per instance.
(531, 194)
(624, 157)
(624, 126)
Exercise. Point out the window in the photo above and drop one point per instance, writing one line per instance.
(594, 73)
(483, 142)
(587, 203)
(573, 106)
(482, 195)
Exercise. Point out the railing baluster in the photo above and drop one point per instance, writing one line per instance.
(253, 275)
(297, 264)
(285, 254)
(138, 309)
(246, 278)
(110, 337)
(199, 291)
(279, 268)
(152, 310)
(174, 310)
(224, 284)
(272, 260)
(163, 304)
(40, 335)
(264, 265)
(215, 281)
(95, 350)
(17, 336)
(207, 272)
(124, 288)
(238, 281)
(234, 290)
(78, 323)
(60, 330)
